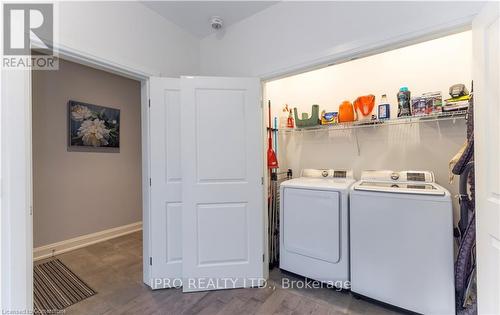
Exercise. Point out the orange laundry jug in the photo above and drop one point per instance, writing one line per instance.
(346, 112)
(364, 106)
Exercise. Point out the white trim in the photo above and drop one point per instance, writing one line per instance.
(93, 61)
(146, 188)
(50, 250)
(16, 178)
(16, 197)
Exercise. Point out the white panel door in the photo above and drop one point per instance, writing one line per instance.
(166, 182)
(222, 190)
(485, 32)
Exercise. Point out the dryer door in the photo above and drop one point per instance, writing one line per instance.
(311, 223)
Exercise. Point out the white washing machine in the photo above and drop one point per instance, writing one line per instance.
(314, 225)
(401, 236)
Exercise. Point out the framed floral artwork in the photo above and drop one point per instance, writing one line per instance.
(93, 128)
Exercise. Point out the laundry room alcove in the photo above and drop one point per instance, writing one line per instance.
(425, 142)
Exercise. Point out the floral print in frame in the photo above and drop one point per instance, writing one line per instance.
(93, 127)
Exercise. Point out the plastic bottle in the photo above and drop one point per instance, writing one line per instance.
(364, 106)
(384, 108)
(284, 117)
(289, 123)
(404, 105)
(346, 112)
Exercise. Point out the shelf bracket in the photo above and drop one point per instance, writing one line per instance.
(439, 129)
(357, 141)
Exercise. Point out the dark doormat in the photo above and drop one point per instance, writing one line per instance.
(56, 287)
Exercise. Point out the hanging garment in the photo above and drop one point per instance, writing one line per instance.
(465, 268)
(465, 264)
(454, 161)
(468, 153)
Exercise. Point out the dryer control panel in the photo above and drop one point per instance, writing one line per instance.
(327, 173)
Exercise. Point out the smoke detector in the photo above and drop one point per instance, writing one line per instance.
(216, 22)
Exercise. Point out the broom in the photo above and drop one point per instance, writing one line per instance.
(272, 161)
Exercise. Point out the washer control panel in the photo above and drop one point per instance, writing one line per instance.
(401, 176)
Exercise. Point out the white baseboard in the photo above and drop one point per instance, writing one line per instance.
(50, 250)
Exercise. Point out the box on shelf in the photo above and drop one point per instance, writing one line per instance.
(457, 103)
(329, 118)
(427, 104)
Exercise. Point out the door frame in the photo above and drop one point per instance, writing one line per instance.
(487, 207)
(16, 282)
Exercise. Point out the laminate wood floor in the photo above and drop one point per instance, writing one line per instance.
(114, 269)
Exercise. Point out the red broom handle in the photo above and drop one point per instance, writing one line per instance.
(270, 130)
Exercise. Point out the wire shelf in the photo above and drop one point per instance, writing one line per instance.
(451, 115)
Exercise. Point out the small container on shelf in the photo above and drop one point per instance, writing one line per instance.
(427, 104)
(307, 121)
(404, 102)
(364, 106)
(329, 118)
(290, 123)
(418, 106)
(434, 102)
(346, 112)
(384, 109)
(285, 118)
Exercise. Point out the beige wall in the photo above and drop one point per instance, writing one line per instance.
(77, 193)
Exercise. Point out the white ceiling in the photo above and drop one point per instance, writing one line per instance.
(194, 16)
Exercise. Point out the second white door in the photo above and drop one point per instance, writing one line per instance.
(166, 183)
(222, 188)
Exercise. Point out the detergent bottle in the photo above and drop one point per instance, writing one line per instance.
(346, 112)
(404, 106)
(364, 106)
(384, 108)
(289, 122)
(284, 117)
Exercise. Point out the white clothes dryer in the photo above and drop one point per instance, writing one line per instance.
(314, 223)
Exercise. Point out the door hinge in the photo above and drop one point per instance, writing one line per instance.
(262, 180)
(151, 261)
(31, 210)
(149, 103)
(263, 257)
(150, 181)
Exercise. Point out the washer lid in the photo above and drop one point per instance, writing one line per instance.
(401, 187)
